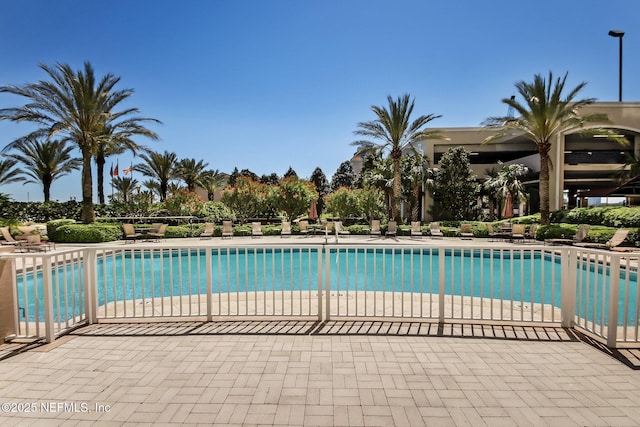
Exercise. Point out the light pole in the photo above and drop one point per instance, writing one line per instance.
(619, 34)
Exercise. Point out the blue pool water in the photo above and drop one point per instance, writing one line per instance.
(525, 277)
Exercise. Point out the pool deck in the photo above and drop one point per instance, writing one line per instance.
(302, 373)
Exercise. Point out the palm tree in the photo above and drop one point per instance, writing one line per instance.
(116, 139)
(44, 162)
(124, 187)
(544, 114)
(414, 174)
(507, 183)
(191, 172)
(8, 174)
(397, 134)
(214, 180)
(78, 107)
(378, 173)
(160, 168)
(487, 190)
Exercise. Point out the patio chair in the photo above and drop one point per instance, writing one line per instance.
(416, 231)
(304, 227)
(208, 231)
(375, 228)
(227, 229)
(286, 229)
(160, 234)
(466, 233)
(518, 232)
(8, 238)
(340, 229)
(616, 240)
(256, 230)
(491, 232)
(434, 230)
(581, 234)
(392, 229)
(129, 233)
(530, 234)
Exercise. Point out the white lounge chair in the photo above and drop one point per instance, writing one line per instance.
(416, 231)
(227, 229)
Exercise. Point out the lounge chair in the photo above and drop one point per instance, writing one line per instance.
(434, 230)
(304, 227)
(329, 227)
(518, 232)
(286, 229)
(466, 233)
(392, 229)
(581, 234)
(130, 232)
(340, 229)
(375, 228)
(256, 230)
(530, 234)
(8, 238)
(491, 232)
(616, 240)
(208, 231)
(416, 231)
(227, 229)
(160, 234)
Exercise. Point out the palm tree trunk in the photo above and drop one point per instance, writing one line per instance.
(100, 161)
(88, 215)
(416, 203)
(397, 189)
(544, 188)
(46, 187)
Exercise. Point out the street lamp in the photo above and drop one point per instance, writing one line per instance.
(619, 34)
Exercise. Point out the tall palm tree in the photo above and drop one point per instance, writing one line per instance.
(77, 106)
(44, 162)
(545, 113)
(8, 174)
(214, 180)
(191, 172)
(160, 168)
(116, 139)
(396, 134)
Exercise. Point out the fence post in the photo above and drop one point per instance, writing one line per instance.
(209, 279)
(9, 307)
(320, 264)
(89, 258)
(568, 266)
(47, 280)
(614, 296)
(327, 283)
(441, 284)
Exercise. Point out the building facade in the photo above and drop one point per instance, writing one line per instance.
(581, 166)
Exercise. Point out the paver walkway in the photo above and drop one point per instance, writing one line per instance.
(319, 379)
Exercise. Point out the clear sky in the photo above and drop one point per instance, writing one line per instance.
(268, 84)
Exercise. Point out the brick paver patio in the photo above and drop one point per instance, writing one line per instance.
(293, 378)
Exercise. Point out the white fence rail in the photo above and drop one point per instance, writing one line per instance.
(56, 291)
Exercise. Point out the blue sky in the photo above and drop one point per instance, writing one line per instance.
(265, 85)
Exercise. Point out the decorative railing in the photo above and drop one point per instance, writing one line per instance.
(53, 292)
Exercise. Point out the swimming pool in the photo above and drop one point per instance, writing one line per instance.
(521, 276)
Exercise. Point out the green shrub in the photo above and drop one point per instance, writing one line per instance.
(87, 233)
(556, 231)
(53, 225)
(610, 216)
(217, 211)
(174, 231)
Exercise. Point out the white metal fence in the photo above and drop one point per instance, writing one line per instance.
(570, 286)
